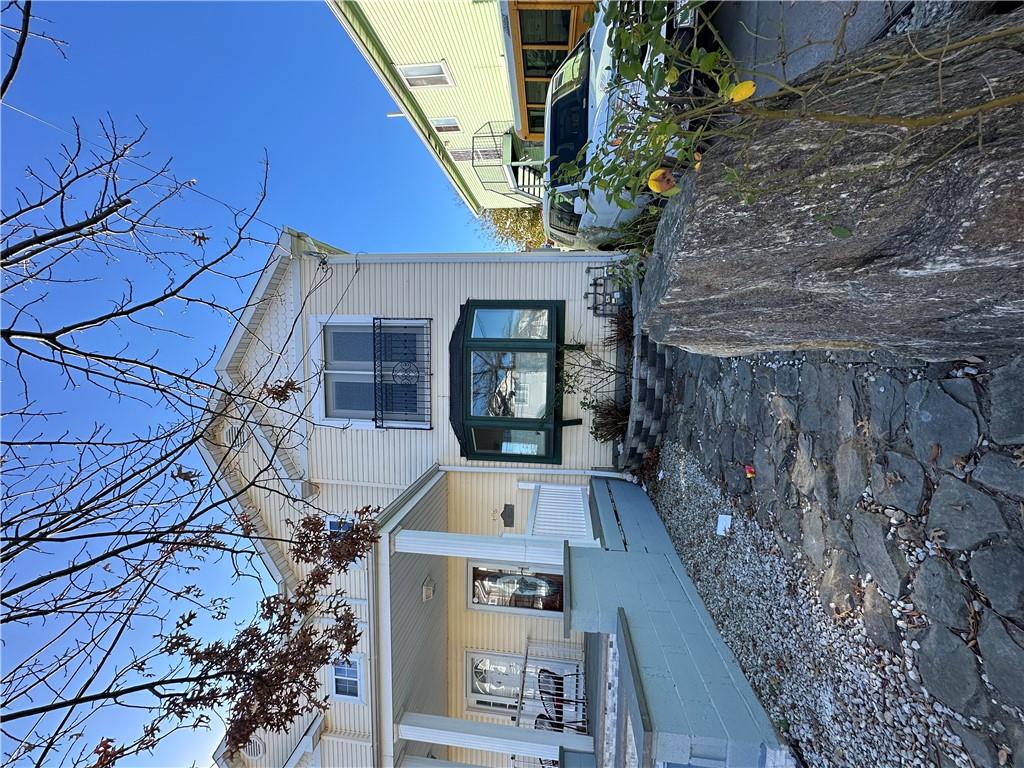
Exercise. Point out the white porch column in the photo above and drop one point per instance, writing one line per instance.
(490, 737)
(412, 761)
(519, 549)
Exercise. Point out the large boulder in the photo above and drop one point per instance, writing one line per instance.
(806, 234)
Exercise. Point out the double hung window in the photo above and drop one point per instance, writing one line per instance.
(378, 373)
(425, 75)
(347, 678)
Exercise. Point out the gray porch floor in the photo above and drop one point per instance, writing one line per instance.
(689, 701)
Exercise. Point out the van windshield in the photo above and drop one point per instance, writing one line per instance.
(567, 132)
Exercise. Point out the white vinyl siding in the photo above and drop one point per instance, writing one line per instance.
(393, 459)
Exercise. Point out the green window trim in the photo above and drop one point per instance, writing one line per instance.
(540, 434)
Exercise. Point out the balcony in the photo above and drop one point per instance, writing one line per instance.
(506, 165)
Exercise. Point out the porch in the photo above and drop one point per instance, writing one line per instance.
(585, 595)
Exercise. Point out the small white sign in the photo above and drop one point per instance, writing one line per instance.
(724, 525)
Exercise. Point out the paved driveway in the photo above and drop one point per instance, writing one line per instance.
(785, 39)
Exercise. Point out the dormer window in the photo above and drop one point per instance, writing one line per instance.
(504, 401)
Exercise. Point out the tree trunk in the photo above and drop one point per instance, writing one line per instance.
(840, 233)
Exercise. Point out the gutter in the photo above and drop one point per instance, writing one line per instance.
(365, 39)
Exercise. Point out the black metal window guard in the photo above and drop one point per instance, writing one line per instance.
(401, 373)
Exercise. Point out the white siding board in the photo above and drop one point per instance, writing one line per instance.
(467, 36)
(398, 457)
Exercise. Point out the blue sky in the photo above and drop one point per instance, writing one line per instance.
(217, 84)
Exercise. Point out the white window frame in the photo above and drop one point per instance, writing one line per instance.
(446, 125)
(502, 708)
(444, 70)
(535, 612)
(356, 661)
(318, 366)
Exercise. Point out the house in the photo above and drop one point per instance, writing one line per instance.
(471, 78)
(524, 605)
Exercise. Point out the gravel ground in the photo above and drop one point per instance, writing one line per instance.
(840, 700)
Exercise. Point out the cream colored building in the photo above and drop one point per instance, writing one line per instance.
(501, 610)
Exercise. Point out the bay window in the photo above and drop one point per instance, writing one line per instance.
(504, 396)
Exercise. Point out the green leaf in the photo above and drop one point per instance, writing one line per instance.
(708, 61)
(672, 192)
(840, 231)
(672, 76)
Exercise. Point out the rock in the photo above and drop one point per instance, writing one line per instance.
(844, 417)
(976, 744)
(998, 571)
(898, 481)
(790, 521)
(851, 474)
(742, 447)
(810, 416)
(838, 537)
(784, 409)
(787, 380)
(1006, 392)
(744, 375)
(1003, 659)
(1000, 473)
(933, 266)
(725, 438)
(936, 419)
(878, 620)
(836, 586)
(810, 411)
(966, 515)
(938, 592)
(764, 471)
(887, 408)
(813, 530)
(869, 531)
(948, 668)
(803, 471)
(824, 487)
(962, 390)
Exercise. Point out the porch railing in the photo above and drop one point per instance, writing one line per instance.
(552, 694)
(500, 172)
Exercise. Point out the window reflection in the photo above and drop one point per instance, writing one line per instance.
(510, 324)
(509, 442)
(513, 588)
(511, 385)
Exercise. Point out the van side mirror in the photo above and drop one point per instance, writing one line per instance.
(579, 205)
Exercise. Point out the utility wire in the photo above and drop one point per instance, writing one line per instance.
(164, 174)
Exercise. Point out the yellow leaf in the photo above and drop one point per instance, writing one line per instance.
(742, 91)
(661, 181)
